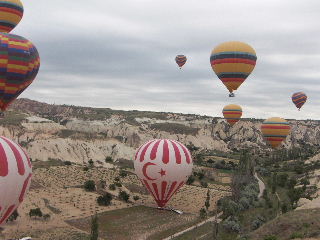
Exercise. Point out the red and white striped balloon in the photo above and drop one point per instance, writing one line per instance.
(15, 177)
(163, 166)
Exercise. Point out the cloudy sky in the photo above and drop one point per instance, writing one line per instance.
(120, 54)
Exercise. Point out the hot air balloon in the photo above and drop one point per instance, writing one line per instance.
(163, 166)
(233, 62)
(181, 60)
(11, 12)
(19, 65)
(299, 98)
(232, 113)
(275, 130)
(15, 177)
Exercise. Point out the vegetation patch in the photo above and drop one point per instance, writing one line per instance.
(175, 128)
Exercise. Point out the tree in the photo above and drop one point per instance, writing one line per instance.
(108, 159)
(13, 216)
(207, 203)
(123, 195)
(104, 200)
(35, 212)
(91, 163)
(123, 173)
(136, 198)
(190, 180)
(202, 213)
(94, 228)
(274, 182)
(284, 208)
(282, 179)
(112, 187)
(68, 163)
(46, 217)
(90, 186)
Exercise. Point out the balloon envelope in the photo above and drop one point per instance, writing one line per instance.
(15, 177)
(19, 65)
(163, 166)
(233, 62)
(181, 60)
(299, 98)
(11, 12)
(275, 130)
(232, 113)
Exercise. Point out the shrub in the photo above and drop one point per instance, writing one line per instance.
(104, 200)
(231, 224)
(204, 184)
(118, 184)
(36, 212)
(108, 159)
(136, 198)
(123, 174)
(67, 163)
(190, 180)
(244, 203)
(284, 208)
(202, 213)
(85, 168)
(258, 222)
(46, 217)
(91, 163)
(90, 186)
(112, 187)
(296, 235)
(271, 237)
(13, 216)
(124, 196)
(117, 179)
(282, 179)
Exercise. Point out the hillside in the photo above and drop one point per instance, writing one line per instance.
(78, 134)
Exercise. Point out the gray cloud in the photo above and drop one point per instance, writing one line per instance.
(120, 54)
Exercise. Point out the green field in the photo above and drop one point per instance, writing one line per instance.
(134, 222)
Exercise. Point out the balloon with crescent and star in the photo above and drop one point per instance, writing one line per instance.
(163, 166)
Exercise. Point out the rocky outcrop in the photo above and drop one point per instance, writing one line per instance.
(79, 134)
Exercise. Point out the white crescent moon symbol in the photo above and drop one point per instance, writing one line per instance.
(144, 171)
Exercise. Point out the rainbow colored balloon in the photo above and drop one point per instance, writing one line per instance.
(233, 62)
(15, 177)
(181, 60)
(163, 166)
(299, 98)
(19, 65)
(11, 12)
(275, 130)
(232, 113)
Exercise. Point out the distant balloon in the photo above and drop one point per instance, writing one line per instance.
(232, 113)
(299, 98)
(181, 60)
(275, 130)
(15, 177)
(233, 62)
(11, 12)
(163, 166)
(19, 65)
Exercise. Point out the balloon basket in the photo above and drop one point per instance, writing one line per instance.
(1, 115)
(231, 95)
(170, 209)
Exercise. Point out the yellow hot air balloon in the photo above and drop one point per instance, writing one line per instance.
(233, 62)
(232, 113)
(11, 12)
(275, 130)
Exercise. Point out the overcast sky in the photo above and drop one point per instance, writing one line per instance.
(120, 54)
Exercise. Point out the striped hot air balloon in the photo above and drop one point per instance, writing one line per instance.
(11, 12)
(19, 65)
(181, 60)
(275, 130)
(163, 166)
(15, 177)
(232, 113)
(233, 62)
(299, 98)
